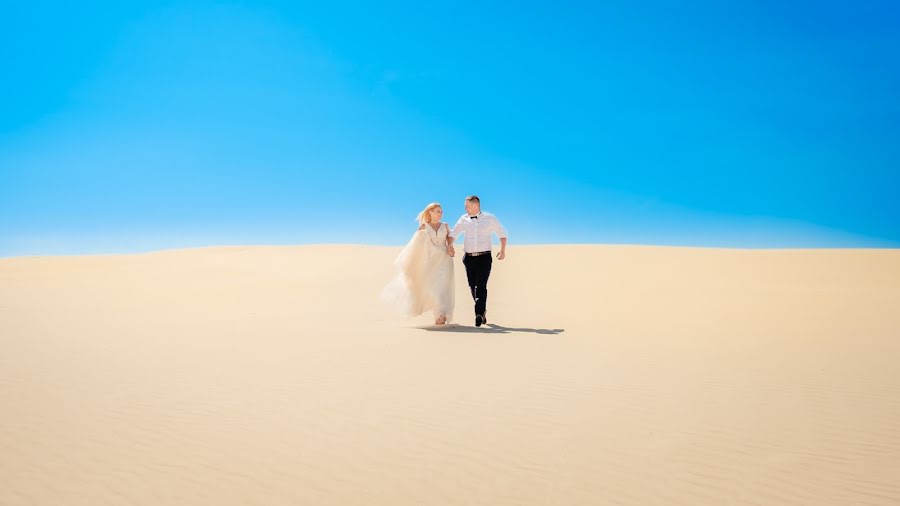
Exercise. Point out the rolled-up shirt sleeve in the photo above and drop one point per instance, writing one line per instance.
(498, 228)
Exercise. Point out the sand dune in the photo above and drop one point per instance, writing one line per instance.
(611, 375)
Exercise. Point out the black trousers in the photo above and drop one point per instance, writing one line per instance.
(478, 270)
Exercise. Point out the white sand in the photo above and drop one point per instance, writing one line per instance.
(617, 375)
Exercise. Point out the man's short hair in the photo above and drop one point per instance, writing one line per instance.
(473, 198)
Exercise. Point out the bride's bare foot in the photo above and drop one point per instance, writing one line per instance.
(440, 320)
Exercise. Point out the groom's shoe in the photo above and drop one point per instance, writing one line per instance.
(479, 320)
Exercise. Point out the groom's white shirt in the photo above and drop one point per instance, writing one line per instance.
(477, 231)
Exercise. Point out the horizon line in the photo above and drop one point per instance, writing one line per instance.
(516, 245)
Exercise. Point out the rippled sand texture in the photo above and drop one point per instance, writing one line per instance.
(610, 375)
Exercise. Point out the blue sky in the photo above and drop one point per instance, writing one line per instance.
(134, 126)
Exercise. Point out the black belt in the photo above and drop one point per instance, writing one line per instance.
(488, 252)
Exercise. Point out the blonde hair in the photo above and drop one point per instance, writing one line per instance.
(425, 217)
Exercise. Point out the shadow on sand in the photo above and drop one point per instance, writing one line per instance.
(488, 328)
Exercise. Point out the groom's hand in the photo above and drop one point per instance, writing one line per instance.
(501, 255)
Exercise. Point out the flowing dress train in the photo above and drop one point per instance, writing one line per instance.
(424, 277)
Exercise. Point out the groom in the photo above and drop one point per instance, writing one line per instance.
(477, 225)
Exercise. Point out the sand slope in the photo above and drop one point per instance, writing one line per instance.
(614, 375)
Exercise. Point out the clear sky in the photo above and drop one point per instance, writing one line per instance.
(133, 126)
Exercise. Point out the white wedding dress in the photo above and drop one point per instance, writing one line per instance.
(424, 278)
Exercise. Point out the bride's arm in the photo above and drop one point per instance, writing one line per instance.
(450, 240)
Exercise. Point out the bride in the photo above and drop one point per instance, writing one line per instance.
(424, 277)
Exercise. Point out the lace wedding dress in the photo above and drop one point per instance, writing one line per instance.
(424, 277)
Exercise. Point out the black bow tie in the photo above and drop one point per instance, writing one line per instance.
(474, 217)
